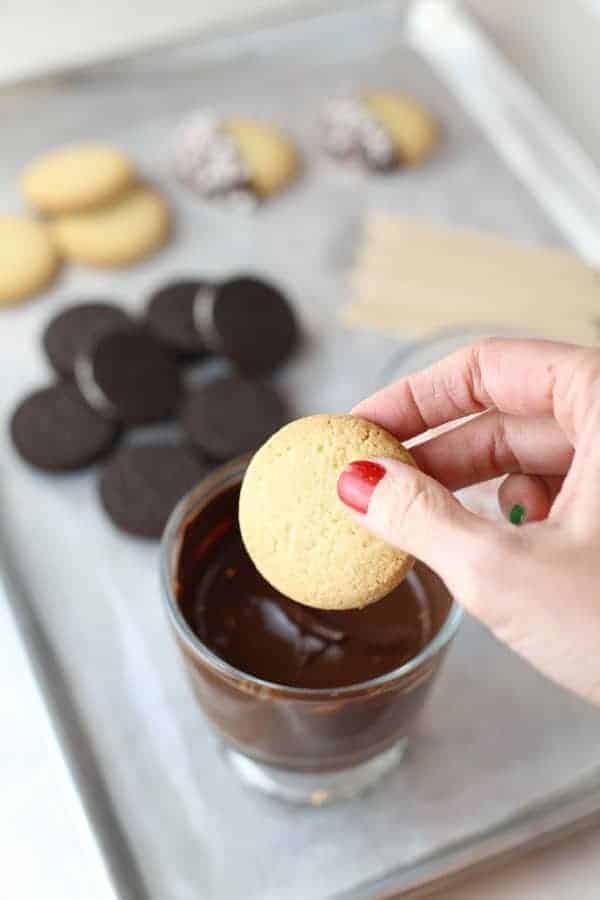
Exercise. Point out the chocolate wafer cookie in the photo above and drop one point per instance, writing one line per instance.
(249, 321)
(141, 485)
(130, 377)
(231, 416)
(170, 316)
(55, 429)
(76, 329)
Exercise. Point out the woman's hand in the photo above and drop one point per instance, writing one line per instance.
(537, 587)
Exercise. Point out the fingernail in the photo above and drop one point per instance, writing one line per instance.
(357, 482)
(517, 514)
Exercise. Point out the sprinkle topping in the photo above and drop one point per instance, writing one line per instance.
(349, 130)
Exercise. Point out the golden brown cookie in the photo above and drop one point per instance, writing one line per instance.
(117, 234)
(28, 258)
(76, 177)
(412, 129)
(269, 155)
(297, 531)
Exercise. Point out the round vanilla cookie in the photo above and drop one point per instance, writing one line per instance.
(76, 177)
(411, 128)
(269, 156)
(298, 532)
(28, 258)
(118, 234)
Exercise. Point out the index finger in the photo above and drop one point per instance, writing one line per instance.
(521, 377)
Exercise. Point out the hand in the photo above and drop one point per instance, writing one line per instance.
(537, 587)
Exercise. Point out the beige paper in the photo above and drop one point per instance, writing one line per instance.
(413, 278)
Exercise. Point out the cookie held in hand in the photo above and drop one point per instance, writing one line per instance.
(296, 530)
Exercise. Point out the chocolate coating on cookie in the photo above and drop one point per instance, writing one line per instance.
(231, 416)
(55, 429)
(76, 329)
(140, 486)
(170, 317)
(207, 160)
(249, 321)
(130, 377)
(348, 131)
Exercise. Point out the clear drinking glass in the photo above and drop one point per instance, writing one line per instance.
(305, 745)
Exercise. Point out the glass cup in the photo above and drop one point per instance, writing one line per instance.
(303, 744)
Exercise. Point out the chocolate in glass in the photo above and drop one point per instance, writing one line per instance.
(283, 683)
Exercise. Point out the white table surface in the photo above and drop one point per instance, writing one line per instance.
(45, 840)
(41, 819)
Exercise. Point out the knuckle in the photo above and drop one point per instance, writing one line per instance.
(578, 391)
(502, 457)
(411, 503)
(415, 500)
(480, 357)
(483, 354)
(586, 369)
(488, 346)
(416, 497)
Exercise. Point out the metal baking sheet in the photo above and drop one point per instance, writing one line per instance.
(498, 741)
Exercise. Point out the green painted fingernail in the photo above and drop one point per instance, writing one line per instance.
(517, 514)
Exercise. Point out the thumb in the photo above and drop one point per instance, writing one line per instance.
(415, 513)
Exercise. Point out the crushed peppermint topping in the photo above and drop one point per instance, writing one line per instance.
(349, 130)
(207, 160)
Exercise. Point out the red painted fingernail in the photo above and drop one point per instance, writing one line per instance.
(357, 482)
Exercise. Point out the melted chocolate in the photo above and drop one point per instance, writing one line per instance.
(248, 623)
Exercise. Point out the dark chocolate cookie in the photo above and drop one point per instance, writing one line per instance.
(77, 328)
(55, 429)
(140, 486)
(170, 317)
(231, 416)
(250, 322)
(129, 376)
